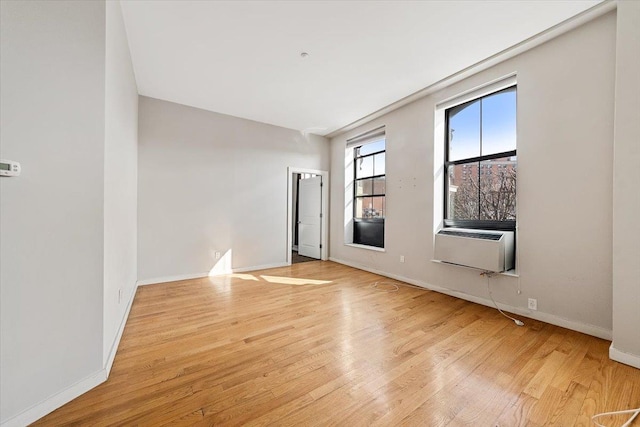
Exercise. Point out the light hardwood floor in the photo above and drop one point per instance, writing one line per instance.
(315, 344)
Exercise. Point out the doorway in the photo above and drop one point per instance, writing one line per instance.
(306, 213)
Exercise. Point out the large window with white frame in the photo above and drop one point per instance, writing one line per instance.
(367, 190)
(369, 194)
(481, 162)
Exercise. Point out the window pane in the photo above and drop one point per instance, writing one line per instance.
(369, 207)
(364, 167)
(363, 207)
(379, 185)
(378, 164)
(364, 187)
(360, 203)
(370, 233)
(464, 131)
(499, 122)
(373, 147)
(498, 189)
(377, 207)
(463, 191)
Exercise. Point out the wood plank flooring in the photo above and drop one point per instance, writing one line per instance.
(315, 344)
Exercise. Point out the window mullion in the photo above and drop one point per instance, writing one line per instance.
(480, 167)
(355, 174)
(482, 158)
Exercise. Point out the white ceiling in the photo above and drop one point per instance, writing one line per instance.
(243, 58)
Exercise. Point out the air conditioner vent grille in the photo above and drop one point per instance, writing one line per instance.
(471, 235)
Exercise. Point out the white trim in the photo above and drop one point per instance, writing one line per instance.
(180, 277)
(622, 357)
(585, 328)
(510, 273)
(367, 137)
(116, 342)
(528, 44)
(166, 279)
(479, 91)
(258, 267)
(57, 400)
(325, 210)
(367, 247)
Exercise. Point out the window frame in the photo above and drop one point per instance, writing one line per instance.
(509, 225)
(355, 196)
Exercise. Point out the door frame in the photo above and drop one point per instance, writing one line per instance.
(324, 251)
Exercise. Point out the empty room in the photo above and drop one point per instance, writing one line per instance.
(311, 213)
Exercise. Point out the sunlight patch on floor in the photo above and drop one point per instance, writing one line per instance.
(294, 281)
(243, 276)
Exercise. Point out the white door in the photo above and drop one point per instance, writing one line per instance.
(309, 216)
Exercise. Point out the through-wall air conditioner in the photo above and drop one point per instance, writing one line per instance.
(482, 249)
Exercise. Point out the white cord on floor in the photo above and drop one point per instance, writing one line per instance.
(635, 413)
(489, 274)
(375, 285)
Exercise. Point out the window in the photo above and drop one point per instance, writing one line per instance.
(369, 202)
(481, 137)
(369, 189)
(365, 206)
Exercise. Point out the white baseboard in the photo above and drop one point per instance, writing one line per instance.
(57, 400)
(585, 328)
(116, 342)
(622, 357)
(68, 394)
(179, 277)
(166, 279)
(259, 267)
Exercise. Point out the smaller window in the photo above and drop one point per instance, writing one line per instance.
(369, 193)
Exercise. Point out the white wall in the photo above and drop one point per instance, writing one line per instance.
(626, 191)
(565, 155)
(209, 182)
(51, 252)
(120, 178)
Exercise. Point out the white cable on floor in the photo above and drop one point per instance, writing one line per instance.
(374, 285)
(489, 274)
(635, 413)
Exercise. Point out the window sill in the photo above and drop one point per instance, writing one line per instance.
(511, 273)
(371, 248)
(508, 273)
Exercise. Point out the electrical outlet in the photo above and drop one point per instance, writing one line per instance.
(401, 258)
(533, 304)
(217, 255)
